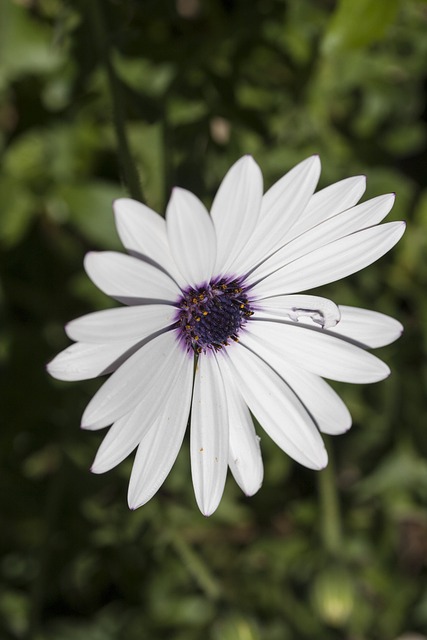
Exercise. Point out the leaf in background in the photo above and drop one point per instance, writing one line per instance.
(142, 75)
(147, 145)
(25, 45)
(358, 23)
(402, 471)
(17, 210)
(89, 208)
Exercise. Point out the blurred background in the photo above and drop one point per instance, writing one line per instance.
(195, 84)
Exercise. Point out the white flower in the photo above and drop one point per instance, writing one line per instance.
(215, 327)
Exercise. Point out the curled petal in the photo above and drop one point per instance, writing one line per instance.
(370, 328)
(304, 308)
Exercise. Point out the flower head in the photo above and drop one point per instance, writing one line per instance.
(215, 327)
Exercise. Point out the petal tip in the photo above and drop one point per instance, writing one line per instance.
(133, 503)
(118, 203)
(313, 163)
(53, 370)
(251, 491)
(323, 461)
(249, 161)
(384, 374)
(88, 259)
(208, 508)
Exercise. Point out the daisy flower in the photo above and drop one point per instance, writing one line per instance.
(215, 327)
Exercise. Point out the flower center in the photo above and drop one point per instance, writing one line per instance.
(209, 316)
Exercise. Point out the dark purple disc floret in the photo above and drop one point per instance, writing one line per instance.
(210, 315)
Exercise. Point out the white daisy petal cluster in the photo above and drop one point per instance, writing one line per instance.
(215, 327)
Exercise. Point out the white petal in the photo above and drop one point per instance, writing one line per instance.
(371, 328)
(344, 224)
(281, 206)
(127, 432)
(143, 233)
(300, 307)
(124, 323)
(316, 350)
(85, 361)
(191, 237)
(235, 211)
(244, 456)
(160, 445)
(150, 367)
(333, 261)
(122, 438)
(276, 407)
(328, 202)
(128, 279)
(321, 401)
(209, 435)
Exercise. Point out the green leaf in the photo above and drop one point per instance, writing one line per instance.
(89, 208)
(17, 210)
(358, 23)
(25, 44)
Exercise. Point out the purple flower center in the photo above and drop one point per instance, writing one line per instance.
(211, 315)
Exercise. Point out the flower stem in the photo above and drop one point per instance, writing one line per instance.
(196, 567)
(130, 173)
(331, 516)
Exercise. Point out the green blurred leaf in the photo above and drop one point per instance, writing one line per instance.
(14, 608)
(400, 472)
(143, 76)
(358, 23)
(88, 206)
(235, 628)
(17, 210)
(148, 148)
(27, 157)
(25, 44)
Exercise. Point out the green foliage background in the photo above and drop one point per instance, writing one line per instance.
(339, 554)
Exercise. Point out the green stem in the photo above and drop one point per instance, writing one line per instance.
(196, 567)
(331, 516)
(130, 173)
